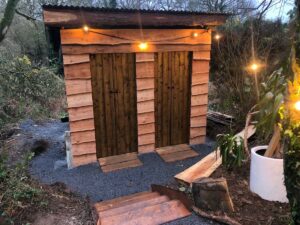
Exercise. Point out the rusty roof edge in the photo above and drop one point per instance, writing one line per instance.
(132, 10)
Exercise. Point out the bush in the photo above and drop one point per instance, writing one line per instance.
(28, 91)
(17, 193)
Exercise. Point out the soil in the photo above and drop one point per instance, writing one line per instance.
(250, 208)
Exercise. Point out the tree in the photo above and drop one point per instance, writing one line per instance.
(7, 19)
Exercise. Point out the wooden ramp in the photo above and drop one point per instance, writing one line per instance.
(206, 166)
(176, 152)
(118, 162)
(144, 208)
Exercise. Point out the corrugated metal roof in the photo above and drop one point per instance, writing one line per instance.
(130, 10)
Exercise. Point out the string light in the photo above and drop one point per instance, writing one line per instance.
(217, 37)
(85, 28)
(297, 105)
(195, 34)
(143, 45)
(254, 67)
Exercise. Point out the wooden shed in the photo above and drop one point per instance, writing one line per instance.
(135, 79)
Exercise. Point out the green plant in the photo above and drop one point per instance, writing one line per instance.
(271, 98)
(231, 149)
(17, 192)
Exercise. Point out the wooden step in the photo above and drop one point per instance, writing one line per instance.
(126, 200)
(176, 152)
(118, 162)
(150, 215)
(134, 206)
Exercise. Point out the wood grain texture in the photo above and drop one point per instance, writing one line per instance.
(146, 118)
(70, 18)
(82, 125)
(80, 100)
(203, 55)
(200, 66)
(146, 139)
(176, 152)
(83, 136)
(83, 159)
(114, 97)
(198, 140)
(197, 132)
(121, 165)
(200, 89)
(82, 113)
(199, 110)
(129, 36)
(198, 121)
(77, 71)
(201, 99)
(96, 49)
(83, 148)
(117, 158)
(75, 59)
(145, 107)
(145, 69)
(172, 97)
(74, 87)
(146, 148)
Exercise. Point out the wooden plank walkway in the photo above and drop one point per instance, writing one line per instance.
(147, 208)
(176, 152)
(117, 162)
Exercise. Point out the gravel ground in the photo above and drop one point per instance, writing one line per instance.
(89, 180)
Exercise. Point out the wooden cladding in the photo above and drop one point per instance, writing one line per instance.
(86, 83)
(172, 98)
(114, 103)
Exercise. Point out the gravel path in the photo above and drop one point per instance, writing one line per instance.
(89, 180)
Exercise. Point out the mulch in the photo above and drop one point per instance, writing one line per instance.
(250, 208)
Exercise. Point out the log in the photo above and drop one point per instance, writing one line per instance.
(274, 143)
(212, 194)
(219, 218)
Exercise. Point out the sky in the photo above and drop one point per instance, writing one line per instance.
(280, 10)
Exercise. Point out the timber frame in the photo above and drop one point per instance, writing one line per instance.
(114, 31)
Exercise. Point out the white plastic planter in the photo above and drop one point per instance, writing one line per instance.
(266, 176)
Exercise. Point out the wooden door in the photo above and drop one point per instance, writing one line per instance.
(114, 103)
(172, 98)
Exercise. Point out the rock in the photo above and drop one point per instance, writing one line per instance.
(212, 194)
(59, 164)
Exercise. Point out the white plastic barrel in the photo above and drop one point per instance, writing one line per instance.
(266, 176)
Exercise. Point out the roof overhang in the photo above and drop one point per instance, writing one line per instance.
(74, 17)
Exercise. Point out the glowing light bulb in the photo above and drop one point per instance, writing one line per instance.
(86, 28)
(195, 34)
(143, 45)
(217, 37)
(297, 105)
(254, 67)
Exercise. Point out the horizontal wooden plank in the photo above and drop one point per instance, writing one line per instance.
(145, 118)
(84, 148)
(82, 125)
(180, 155)
(147, 106)
(146, 128)
(82, 113)
(197, 140)
(200, 78)
(77, 71)
(78, 86)
(203, 55)
(70, 18)
(144, 57)
(146, 148)
(95, 49)
(200, 89)
(197, 132)
(129, 36)
(198, 110)
(80, 100)
(199, 121)
(200, 66)
(83, 137)
(199, 99)
(144, 69)
(145, 95)
(83, 159)
(172, 149)
(121, 165)
(144, 84)
(146, 139)
(75, 59)
(117, 158)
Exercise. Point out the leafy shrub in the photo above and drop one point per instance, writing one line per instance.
(231, 149)
(17, 193)
(29, 91)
